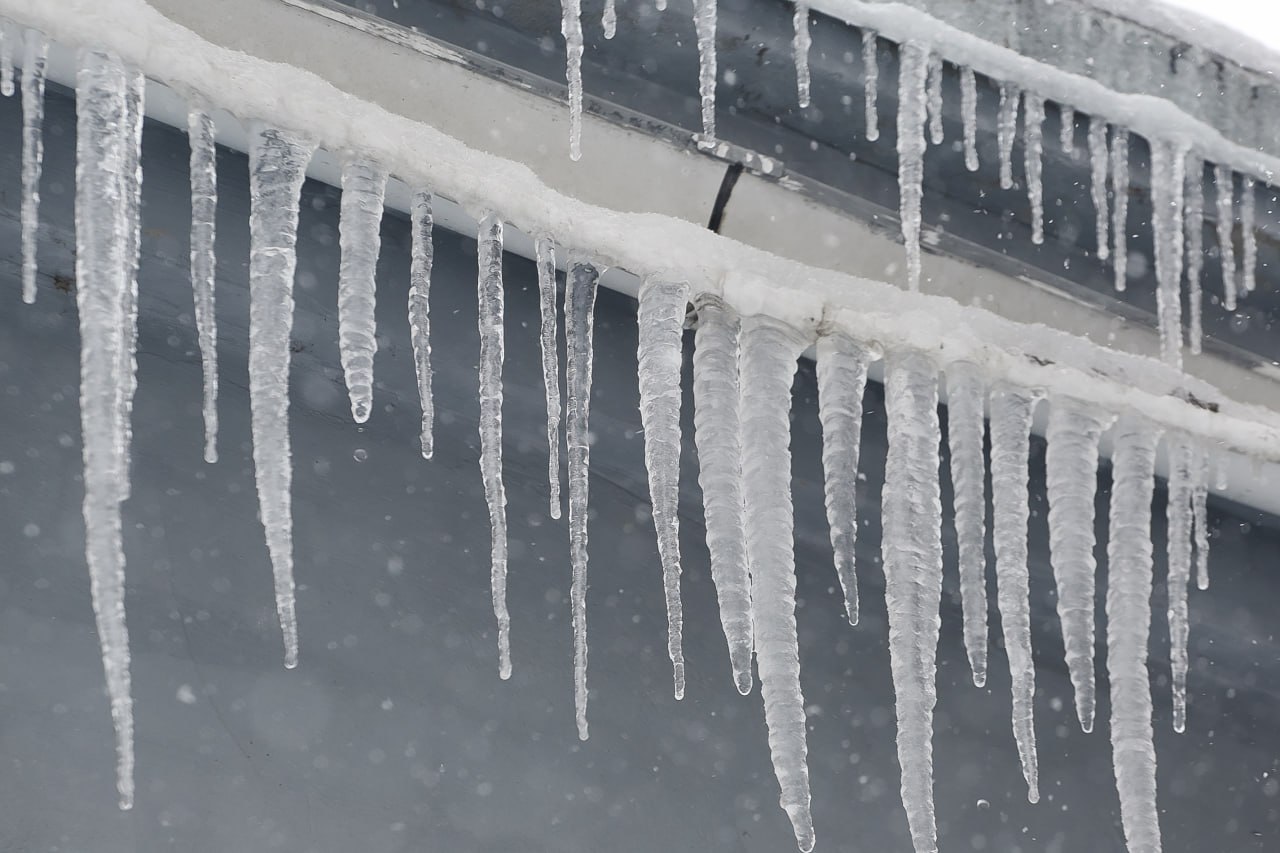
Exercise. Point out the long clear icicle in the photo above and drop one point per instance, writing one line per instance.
(545, 253)
(660, 353)
(934, 98)
(1010, 447)
(1224, 194)
(422, 254)
(870, 83)
(800, 47)
(1006, 126)
(1071, 466)
(34, 58)
(913, 61)
(969, 116)
(364, 186)
(911, 546)
(277, 167)
(966, 428)
(102, 135)
(1193, 235)
(717, 431)
(610, 18)
(1067, 128)
(491, 298)
(1178, 517)
(1128, 627)
(704, 21)
(770, 350)
(1032, 151)
(842, 378)
(571, 29)
(1168, 163)
(579, 315)
(1099, 168)
(1248, 237)
(204, 210)
(1200, 514)
(1120, 210)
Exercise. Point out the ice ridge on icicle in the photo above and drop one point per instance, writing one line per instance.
(1006, 127)
(1099, 168)
(130, 213)
(969, 116)
(422, 253)
(364, 186)
(966, 428)
(34, 59)
(913, 61)
(545, 254)
(1178, 516)
(800, 47)
(277, 168)
(660, 352)
(911, 545)
(704, 21)
(491, 298)
(1193, 231)
(870, 83)
(1120, 212)
(1224, 193)
(1128, 626)
(204, 210)
(571, 29)
(1011, 410)
(934, 97)
(1168, 162)
(1071, 466)
(770, 350)
(717, 432)
(1032, 150)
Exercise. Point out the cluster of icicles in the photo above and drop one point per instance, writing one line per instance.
(743, 369)
(1177, 172)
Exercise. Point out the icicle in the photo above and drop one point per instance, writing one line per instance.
(580, 301)
(1128, 626)
(1099, 168)
(610, 20)
(661, 5)
(800, 46)
(934, 98)
(1193, 230)
(1178, 548)
(130, 213)
(35, 57)
(277, 167)
(489, 292)
(422, 254)
(7, 37)
(911, 545)
(204, 209)
(661, 324)
(966, 402)
(1067, 128)
(1006, 127)
(545, 251)
(103, 133)
(1224, 189)
(870, 83)
(842, 377)
(1032, 150)
(704, 21)
(1071, 466)
(1248, 237)
(912, 65)
(969, 114)
(571, 29)
(1120, 192)
(717, 431)
(770, 350)
(1010, 439)
(1168, 163)
(364, 185)
(1200, 513)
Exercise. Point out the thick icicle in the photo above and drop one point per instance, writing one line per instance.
(571, 29)
(1200, 513)
(8, 35)
(1120, 212)
(103, 133)
(717, 431)
(842, 377)
(204, 209)
(913, 60)
(1032, 150)
(490, 295)
(1178, 518)
(660, 353)
(34, 58)
(1010, 439)
(579, 315)
(934, 98)
(1071, 466)
(1128, 627)
(422, 254)
(870, 83)
(1193, 231)
(800, 47)
(545, 252)
(1099, 168)
(364, 185)
(1248, 237)
(969, 115)
(277, 167)
(610, 19)
(1224, 192)
(704, 21)
(1168, 163)
(911, 545)
(770, 350)
(966, 428)
(1006, 127)
(1067, 128)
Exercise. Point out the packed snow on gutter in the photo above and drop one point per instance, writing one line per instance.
(1245, 31)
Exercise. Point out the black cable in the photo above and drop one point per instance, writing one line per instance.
(722, 197)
